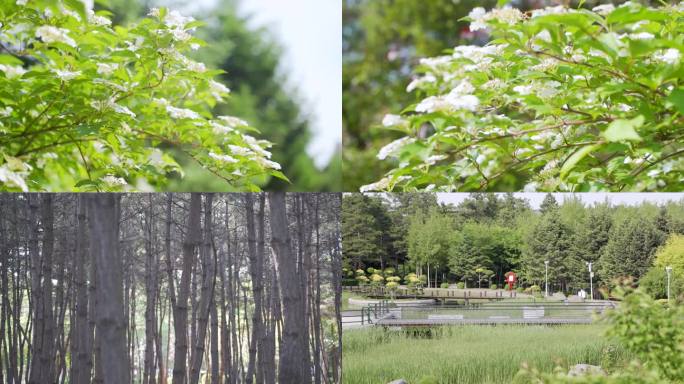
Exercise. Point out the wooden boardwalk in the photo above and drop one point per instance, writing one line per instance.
(388, 322)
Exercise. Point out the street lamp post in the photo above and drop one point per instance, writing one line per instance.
(668, 269)
(546, 279)
(591, 281)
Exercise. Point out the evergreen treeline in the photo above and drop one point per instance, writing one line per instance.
(487, 235)
(182, 288)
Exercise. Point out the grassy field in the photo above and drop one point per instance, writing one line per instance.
(471, 354)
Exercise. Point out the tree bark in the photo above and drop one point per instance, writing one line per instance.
(294, 360)
(110, 321)
(180, 312)
(82, 363)
(207, 291)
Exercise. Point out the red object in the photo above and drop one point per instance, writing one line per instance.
(511, 279)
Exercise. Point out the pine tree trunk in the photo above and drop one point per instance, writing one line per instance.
(180, 311)
(207, 291)
(295, 352)
(110, 321)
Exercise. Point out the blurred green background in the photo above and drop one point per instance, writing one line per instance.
(251, 57)
(382, 41)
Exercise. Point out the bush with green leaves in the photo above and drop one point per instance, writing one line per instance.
(650, 331)
(561, 99)
(87, 106)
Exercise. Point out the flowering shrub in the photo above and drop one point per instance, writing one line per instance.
(560, 100)
(88, 106)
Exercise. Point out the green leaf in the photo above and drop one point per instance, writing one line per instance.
(280, 175)
(501, 3)
(677, 98)
(624, 130)
(576, 158)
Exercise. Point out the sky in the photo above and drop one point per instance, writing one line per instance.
(622, 198)
(310, 32)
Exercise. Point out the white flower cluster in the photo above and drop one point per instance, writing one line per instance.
(459, 98)
(181, 113)
(114, 181)
(106, 69)
(670, 56)
(380, 185)
(218, 90)
(394, 147)
(66, 75)
(12, 71)
(392, 120)
(13, 173)
(176, 24)
(479, 17)
(223, 158)
(50, 34)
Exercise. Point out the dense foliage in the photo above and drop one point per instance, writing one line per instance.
(651, 332)
(478, 241)
(88, 106)
(561, 98)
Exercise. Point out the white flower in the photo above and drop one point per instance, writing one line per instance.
(641, 36)
(223, 158)
(97, 19)
(180, 35)
(466, 102)
(478, 19)
(241, 151)
(624, 107)
(531, 187)
(12, 178)
(506, 15)
(161, 101)
(380, 185)
(254, 144)
(174, 19)
(669, 57)
(218, 90)
(604, 9)
(415, 83)
(494, 84)
(154, 12)
(549, 11)
(22, 2)
(66, 75)
(50, 34)
(233, 122)
(463, 88)
(106, 69)
(136, 44)
(121, 109)
(181, 113)
(266, 163)
(544, 35)
(392, 120)
(194, 46)
(114, 181)
(12, 71)
(194, 66)
(393, 148)
(435, 158)
(545, 65)
(523, 90)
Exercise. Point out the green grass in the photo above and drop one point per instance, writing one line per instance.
(471, 354)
